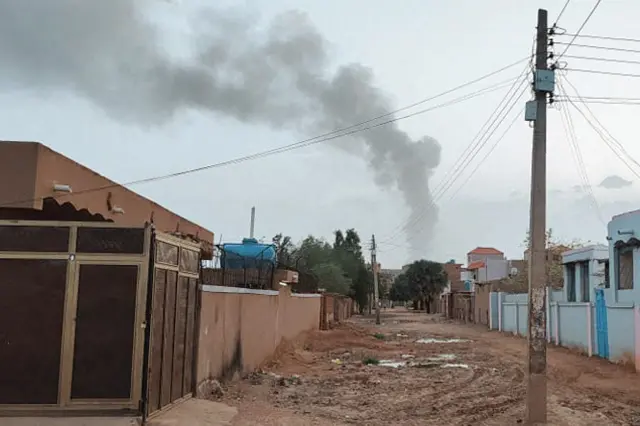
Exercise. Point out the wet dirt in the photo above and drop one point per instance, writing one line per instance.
(463, 375)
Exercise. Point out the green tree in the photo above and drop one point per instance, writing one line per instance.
(284, 248)
(399, 291)
(554, 267)
(332, 278)
(426, 280)
(348, 253)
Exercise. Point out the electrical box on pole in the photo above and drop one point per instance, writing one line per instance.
(531, 111)
(545, 81)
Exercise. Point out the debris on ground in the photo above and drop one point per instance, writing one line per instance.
(457, 376)
(437, 341)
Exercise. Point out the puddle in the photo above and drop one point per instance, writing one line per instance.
(439, 361)
(432, 340)
(443, 357)
(407, 356)
(455, 366)
(392, 364)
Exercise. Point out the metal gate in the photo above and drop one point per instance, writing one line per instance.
(173, 323)
(602, 328)
(72, 311)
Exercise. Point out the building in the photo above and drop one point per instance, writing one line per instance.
(585, 270)
(623, 234)
(485, 264)
(37, 183)
(454, 276)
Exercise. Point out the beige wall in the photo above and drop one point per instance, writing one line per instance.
(481, 304)
(28, 171)
(239, 331)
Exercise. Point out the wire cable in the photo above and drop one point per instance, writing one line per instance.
(561, 12)
(613, 73)
(488, 153)
(562, 99)
(476, 146)
(493, 147)
(570, 132)
(577, 33)
(279, 150)
(475, 142)
(455, 171)
(598, 37)
(593, 58)
(612, 143)
(591, 46)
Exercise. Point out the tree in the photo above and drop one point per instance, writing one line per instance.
(426, 280)
(332, 278)
(399, 291)
(339, 268)
(554, 267)
(348, 252)
(284, 248)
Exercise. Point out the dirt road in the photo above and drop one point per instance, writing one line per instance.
(425, 371)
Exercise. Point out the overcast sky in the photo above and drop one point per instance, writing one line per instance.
(415, 49)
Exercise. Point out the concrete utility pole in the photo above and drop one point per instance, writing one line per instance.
(536, 412)
(374, 266)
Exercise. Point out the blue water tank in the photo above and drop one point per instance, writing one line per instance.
(249, 254)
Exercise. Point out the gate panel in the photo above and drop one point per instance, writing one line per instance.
(168, 337)
(104, 333)
(190, 336)
(602, 328)
(72, 303)
(179, 338)
(31, 313)
(174, 319)
(154, 378)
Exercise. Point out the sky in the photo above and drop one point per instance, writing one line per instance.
(404, 52)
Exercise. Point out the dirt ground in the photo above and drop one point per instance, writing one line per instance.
(342, 377)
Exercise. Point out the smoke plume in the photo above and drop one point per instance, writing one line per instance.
(280, 76)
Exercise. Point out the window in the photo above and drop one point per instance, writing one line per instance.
(625, 268)
(607, 281)
(584, 281)
(571, 282)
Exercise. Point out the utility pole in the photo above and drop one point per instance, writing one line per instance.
(374, 266)
(536, 412)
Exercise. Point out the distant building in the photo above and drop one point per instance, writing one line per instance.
(454, 276)
(485, 264)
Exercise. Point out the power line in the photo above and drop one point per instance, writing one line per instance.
(477, 144)
(495, 145)
(598, 101)
(297, 145)
(486, 135)
(570, 132)
(591, 46)
(598, 98)
(593, 58)
(611, 137)
(460, 162)
(561, 12)
(598, 37)
(604, 133)
(618, 74)
(575, 36)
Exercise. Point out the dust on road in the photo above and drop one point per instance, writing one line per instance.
(421, 370)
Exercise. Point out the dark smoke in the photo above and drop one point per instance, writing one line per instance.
(107, 52)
